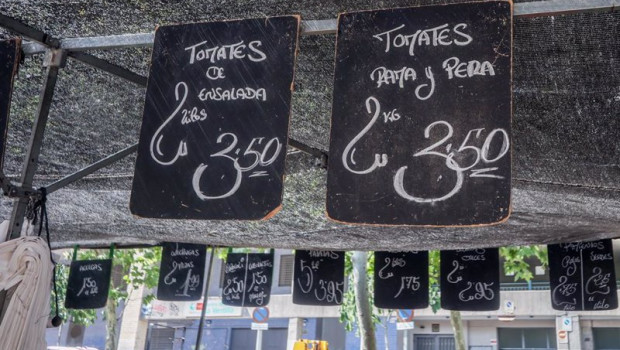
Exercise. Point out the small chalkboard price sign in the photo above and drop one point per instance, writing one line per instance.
(582, 276)
(181, 273)
(88, 284)
(215, 123)
(247, 279)
(9, 61)
(401, 280)
(421, 118)
(470, 279)
(318, 278)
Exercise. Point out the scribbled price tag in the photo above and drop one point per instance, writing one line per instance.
(318, 278)
(215, 122)
(401, 280)
(582, 276)
(88, 284)
(181, 273)
(421, 122)
(469, 279)
(247, 279)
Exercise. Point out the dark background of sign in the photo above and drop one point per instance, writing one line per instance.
(248, 259)
(9, 60)
(557, 254)
(485, 271)
(169, 292)
(76, 281)
(329, 270)
(166, 191)
(386, 289)
(477, 102)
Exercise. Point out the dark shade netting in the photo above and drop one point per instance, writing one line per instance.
(566, 132)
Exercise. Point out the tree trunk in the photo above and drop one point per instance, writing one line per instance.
(385, 333)
(110, 340)
(362, 302)
(457, 327)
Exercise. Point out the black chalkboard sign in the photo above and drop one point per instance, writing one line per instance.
(88, 284)
(9, 61)
(470, 279)
(401, 280)
(247, 279)
(215, 123)
(318, 278)
(181, 273)
(582, 276)
(421, 119)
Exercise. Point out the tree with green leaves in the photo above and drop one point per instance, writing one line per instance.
(136, 267)
(357, 305)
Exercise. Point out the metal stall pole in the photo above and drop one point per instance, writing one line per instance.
(259, 339)
(204, 301)
(54, 60)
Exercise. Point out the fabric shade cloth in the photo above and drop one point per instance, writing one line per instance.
(26, 270)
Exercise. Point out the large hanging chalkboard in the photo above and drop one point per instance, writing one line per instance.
(469, 279)
(247, 279)
(9, 61)
(582, 276)
(318, 278)
(401, 280)
(215, 123)
(421, 118)
(88, 284)
(181, 272)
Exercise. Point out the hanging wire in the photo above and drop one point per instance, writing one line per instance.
(57, 320)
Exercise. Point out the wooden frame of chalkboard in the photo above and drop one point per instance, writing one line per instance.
(88, 284)
(181, 272)
(318, 278)
(469, 279)
(401, 280)
(421, 116)
(582, 276)
(247, 279)
(9, 62)
(216, 120)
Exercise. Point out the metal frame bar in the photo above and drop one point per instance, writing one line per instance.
(34, 149)
(109, 67)
(73, 47)
(329, 26)
(67, 180)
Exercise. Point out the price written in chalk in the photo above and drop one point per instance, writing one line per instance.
(215, 121)
(401, 280)
(88, 284)
(181, 273)
(470, 279)
(427, 139)
(582, 276)
(247, 279)
(318, 278)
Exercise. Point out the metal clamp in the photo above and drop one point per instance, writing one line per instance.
(55, 58)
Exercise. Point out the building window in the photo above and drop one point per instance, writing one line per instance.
(526, 338)
(606, 338)
(285, 279)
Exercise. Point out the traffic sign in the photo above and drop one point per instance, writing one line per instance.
(563, 337)
(509, 307)
(567, 323)
(259, 326)
(404, 325)
(260, 314)
(405, 315)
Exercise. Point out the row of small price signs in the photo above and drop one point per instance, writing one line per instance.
(420, 125)
(582, 277)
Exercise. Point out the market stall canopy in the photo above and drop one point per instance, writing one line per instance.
(566, 154)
